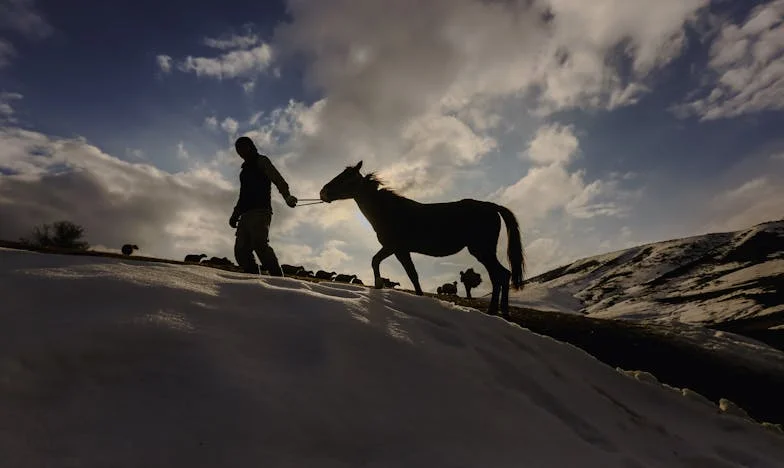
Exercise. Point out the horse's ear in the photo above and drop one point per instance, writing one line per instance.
(358, 166)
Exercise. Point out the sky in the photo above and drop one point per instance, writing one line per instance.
(601, 125)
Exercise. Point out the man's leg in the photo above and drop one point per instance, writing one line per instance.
(243, 248)
(260, 236)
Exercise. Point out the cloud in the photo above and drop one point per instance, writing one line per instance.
(21, 16)
(552, 144)
(135, 153)
(549, 186)
(46, 179)
(211, 122)
(241, 56)
(543, 254)
(6, 110)
(568, 52)
(233, 64)
(249, 86)
(745, 73)
(542, 190)
(230, 126)
(164, 63)
(752, 202)
(233, 42)
(182, 153)
(748, 190)
(7, 52)
(422, 93)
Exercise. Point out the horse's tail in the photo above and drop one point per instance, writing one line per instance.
(514, 248)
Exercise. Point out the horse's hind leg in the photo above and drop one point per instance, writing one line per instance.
(408, 265)
(499, 276)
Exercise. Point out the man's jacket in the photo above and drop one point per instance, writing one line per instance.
(256, 179)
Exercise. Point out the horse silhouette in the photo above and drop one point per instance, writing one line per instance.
(404, 226)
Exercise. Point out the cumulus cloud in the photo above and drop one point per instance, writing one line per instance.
(230, 126)
(746, 71)
(164, 63)
(233, 62)
(545, 190)
(543, 254)
(460, 50)
(182, 153)
(249, 86)
(211, 122)
(45, 179)
(549, 185)
(6, 109)
(242, 56)
(419, 92)
(552, 143)
(234, 41)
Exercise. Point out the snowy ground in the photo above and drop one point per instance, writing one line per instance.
(540, 297)
(107, 362)
(755, 353)
(704, 279)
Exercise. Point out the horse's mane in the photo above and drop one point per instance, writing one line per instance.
(372, 179)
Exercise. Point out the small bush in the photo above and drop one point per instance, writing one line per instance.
(61, 234)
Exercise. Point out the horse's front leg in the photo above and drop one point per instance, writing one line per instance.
(408, 265)
(376, 264)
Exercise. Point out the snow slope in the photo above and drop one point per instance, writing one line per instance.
(703, 279)
(108, 362)
(547, 299)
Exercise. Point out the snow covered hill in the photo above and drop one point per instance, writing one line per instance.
(703, 279)
(112, 362)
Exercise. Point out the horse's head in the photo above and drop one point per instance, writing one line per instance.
(344, 186)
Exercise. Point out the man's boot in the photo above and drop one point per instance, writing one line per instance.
(269, 262)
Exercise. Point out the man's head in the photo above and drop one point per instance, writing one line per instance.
(245, 147)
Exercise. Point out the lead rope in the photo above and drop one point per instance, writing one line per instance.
(311, 201)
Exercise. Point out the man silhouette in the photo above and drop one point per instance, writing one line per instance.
(252, 214)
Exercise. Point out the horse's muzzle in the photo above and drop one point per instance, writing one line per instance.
(324, 197)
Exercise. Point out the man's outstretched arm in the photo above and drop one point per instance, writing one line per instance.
(277, 179)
